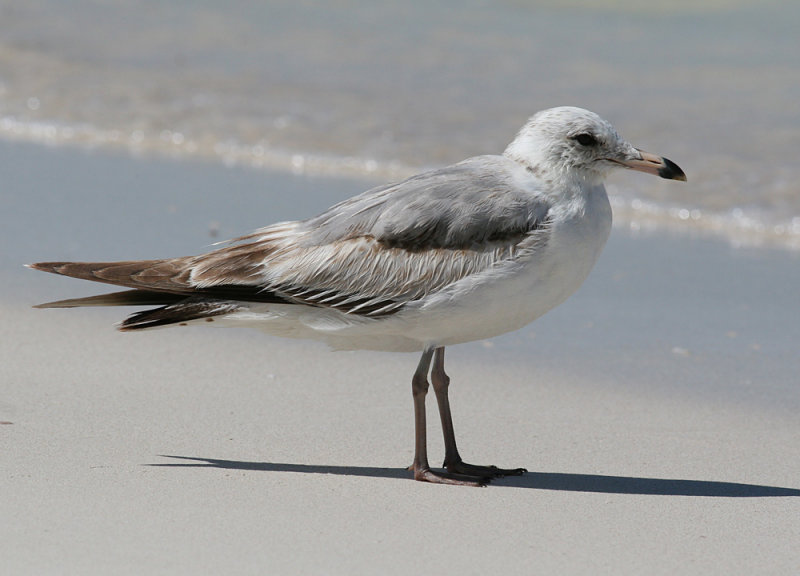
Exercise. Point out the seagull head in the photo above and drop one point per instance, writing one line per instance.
(568, 142)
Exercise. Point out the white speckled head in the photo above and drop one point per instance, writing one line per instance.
(573, 142)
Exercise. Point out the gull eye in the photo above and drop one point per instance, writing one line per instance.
(585, 139)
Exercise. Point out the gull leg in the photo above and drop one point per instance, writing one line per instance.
(421, 468)
(452, 459)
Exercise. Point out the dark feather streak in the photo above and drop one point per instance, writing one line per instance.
(184, 311)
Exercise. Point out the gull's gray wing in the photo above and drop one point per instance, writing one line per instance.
(462, 206)
(377, 251)
(369, 255)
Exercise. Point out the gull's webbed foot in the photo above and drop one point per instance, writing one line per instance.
(425, 474)
(461, 467)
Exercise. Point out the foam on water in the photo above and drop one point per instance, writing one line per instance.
(383, 91)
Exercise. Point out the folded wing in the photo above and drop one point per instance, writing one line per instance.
(370, 255)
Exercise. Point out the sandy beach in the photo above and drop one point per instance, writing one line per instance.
(656, 411)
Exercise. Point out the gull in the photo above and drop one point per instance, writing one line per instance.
(452, 255)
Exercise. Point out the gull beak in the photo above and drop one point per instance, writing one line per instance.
(653, 164)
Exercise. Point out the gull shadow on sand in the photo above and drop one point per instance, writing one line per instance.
(537, 480)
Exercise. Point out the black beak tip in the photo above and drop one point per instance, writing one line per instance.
(671, 171)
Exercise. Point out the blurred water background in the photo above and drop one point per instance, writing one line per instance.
(384, 89)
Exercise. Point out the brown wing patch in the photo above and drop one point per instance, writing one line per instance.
(238, 264)
(171, 275)
(242, 260)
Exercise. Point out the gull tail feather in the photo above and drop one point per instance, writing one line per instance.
(180, 313)
(170, 275)
(162, 283)
(124, 298)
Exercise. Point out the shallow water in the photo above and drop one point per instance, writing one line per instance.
(385, 89)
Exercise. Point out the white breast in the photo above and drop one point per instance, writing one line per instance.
(514, 295)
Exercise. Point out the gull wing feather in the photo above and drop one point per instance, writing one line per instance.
(369, 255)
(372, 254)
